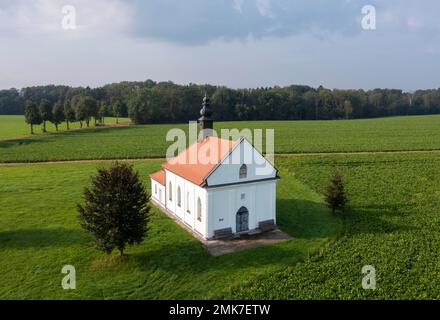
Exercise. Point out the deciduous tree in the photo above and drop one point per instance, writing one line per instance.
(57, 114)
(117, 109)
(102, 112)
(69, 113)
(80, 112)
(45, 112)
(32, 115)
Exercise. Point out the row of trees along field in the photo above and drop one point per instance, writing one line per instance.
(166, 102)
(81, 108)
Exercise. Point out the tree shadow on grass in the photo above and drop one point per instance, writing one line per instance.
(189, 258)
(92, 130)
(41, 238)
(23, 141)
(306, 219)
(52, 136)
(309, 220)
(376, 220)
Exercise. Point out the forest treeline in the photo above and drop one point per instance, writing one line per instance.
(165, 102)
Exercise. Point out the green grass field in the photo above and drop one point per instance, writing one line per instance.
(387, 134)
(14, 126)
(392, 223)
(39, 233)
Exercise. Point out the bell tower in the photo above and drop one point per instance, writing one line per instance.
(205, 121)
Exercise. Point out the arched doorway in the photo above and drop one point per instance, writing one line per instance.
(242, 220)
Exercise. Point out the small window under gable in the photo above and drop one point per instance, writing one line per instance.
(243, 171)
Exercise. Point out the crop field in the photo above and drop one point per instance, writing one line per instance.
(392, 222)
(386, 134)
(15, 127)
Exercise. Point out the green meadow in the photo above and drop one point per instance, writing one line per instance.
(15, 127)
(385, 134)
(392, 222)
(39, 234)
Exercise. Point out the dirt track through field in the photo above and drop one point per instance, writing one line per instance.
(13, 164)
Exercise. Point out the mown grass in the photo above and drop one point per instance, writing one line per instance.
(393, 224)
(385, 134)
(39, 234)
(14, 126)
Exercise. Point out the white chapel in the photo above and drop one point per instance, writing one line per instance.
(224, 197)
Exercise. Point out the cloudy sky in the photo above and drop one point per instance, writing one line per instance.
(238, 43)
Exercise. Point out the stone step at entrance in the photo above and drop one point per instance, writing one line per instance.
(223, 233)
(267, 225)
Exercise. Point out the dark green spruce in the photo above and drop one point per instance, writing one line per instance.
(115, 209)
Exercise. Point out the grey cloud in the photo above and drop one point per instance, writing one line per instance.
(201, 21)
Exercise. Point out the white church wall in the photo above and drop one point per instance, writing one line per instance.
(188, 201)
(162, 193)
(187, 211)
(224, 203)
(158, 192)
(200, 225)
(154, 190)
(265, 201)
(229, 170)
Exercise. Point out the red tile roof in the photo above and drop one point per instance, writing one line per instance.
(199, 159)
(159, 177)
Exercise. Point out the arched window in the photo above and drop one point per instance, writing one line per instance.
(243, 172)
(170, 191)
(187, 203)
(199, 210)
(155, 188)
(179, 197)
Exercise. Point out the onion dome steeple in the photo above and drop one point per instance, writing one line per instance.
(206, 122)
(206, 111)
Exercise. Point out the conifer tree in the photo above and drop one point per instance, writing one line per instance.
(116, 208)
(335, 196)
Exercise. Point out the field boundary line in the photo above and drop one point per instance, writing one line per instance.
(16, 164)
(350, 153)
